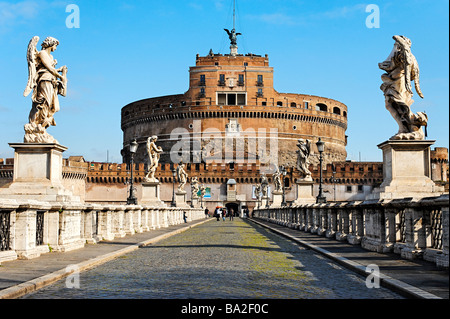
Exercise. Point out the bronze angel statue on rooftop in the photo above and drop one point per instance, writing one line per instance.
(46, 82)
(401, 69)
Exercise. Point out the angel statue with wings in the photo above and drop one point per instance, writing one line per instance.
(46, 82)
(182, 177)
(153, 156)
(232, 35)
(303, 154)
(401, 69)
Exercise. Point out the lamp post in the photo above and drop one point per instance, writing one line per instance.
(132, 200)
(174, 175)
(320, 198)
(283, 172)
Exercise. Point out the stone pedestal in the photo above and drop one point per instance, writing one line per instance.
(151, 194)
(406, 170)
(233, 50)
(264, 202)
(304, 192)
(277, 199)
(180, 199)
(38, 174)
(195, 202)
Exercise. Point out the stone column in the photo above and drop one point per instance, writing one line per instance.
(357, 225)
(443, 259)
(332, 221)
(105, 226)
(145, 219)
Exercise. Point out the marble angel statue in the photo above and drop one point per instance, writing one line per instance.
(303, 154)
(401, 69)
(195, 187)
(46, 82)
(182, 177)
(153, 156)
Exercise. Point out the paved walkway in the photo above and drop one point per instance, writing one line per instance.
(412, 278)
(19, 277)
(227, 260)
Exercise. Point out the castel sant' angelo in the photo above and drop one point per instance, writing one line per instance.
(232, 126)
(234, 94)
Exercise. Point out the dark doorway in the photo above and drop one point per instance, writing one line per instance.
(233, 206)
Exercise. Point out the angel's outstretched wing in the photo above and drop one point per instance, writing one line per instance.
(415, 77)
(31, 59)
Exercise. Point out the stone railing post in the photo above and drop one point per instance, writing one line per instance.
(105, 226)
(357, 224)
(322, 224)
(145, 219)
(309, 218)
(374, 233)
(331, 220)
(128, 217)
(70, 228)
(343, 222)
(442, 260)
(118, 219)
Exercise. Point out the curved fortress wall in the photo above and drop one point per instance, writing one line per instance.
(232, 113)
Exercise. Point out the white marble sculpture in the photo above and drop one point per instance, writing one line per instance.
(182, 177)
(303, 162)
(277, 180)
(401, 69)
(153, 156)
(264, 186)
(195, 187)
(46, 82)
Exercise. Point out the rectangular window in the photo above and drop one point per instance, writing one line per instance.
(360, 189)
(260, 93)
(202, 79)
(231, 99)
(221, 79)
(221, 99)
(348, 189)
(240, 99)
(241, 80)
(260, 80)
(306, 105)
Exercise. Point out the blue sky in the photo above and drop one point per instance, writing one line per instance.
(130, 50)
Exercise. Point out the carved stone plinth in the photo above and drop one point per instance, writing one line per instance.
(151, 194)
(304, 192)
(277, 199)
(38, 174)
(264, 202)
(180, 199)
(406, 170)
(195, 202)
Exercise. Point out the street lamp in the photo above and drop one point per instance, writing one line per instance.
(320, 198)
(283, 172)
(174, 175)
(132, 200)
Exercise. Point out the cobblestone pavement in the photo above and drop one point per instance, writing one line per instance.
(219, 259)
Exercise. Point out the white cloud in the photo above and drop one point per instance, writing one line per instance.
(12, 13)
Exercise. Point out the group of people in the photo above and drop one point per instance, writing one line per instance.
(223, 213)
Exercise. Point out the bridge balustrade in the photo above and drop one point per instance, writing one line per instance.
(410, 228)
(30, 229)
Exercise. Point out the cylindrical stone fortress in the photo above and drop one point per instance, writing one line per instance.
(230, 110)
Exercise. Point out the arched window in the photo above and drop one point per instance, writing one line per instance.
(321, 107)
(336, 110)
(293, 104)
